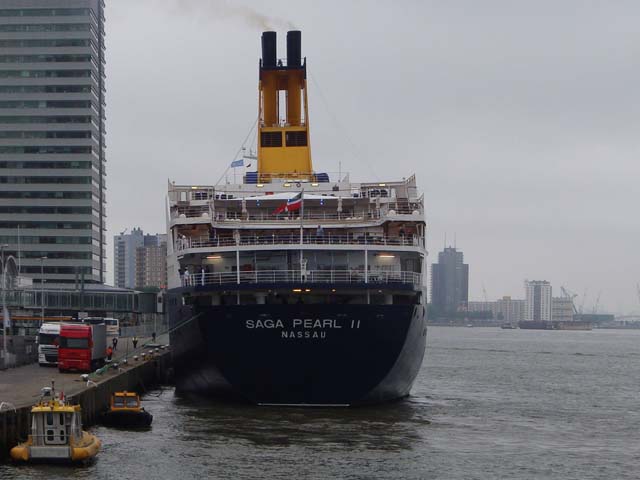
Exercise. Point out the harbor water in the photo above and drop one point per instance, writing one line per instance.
(489, 403)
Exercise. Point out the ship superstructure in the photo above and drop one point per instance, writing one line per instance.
(296, 286)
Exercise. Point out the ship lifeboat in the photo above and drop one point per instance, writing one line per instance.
(56, 433)
(125, 411)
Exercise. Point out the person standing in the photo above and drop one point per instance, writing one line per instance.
(153, 337)
(109, 352)
(134, 340)
(115, 343)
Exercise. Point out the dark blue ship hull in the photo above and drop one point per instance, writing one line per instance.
(313, 354)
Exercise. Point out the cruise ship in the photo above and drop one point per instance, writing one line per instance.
(294, 286)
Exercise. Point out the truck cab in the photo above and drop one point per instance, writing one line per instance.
(48, 342)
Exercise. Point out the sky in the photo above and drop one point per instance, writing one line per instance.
(520, 120)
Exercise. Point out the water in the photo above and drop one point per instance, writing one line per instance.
(488, 404)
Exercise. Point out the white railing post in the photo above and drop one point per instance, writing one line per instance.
(366, 261)
(238, 266)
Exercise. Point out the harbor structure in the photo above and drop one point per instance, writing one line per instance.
(449, 282)
(537, 301)
(139, 259)
(52, 138)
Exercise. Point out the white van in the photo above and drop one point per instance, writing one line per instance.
(48, 340)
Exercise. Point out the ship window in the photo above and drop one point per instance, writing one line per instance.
(296, 139)
(271, 139)
(199, 195)
(49, 418)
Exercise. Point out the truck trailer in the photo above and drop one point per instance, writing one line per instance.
(83, 348)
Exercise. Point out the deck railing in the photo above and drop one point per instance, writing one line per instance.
(294, 239)
(203, 211)
(296, 276)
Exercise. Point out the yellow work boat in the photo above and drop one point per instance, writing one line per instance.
(125, 411)
(56, 433)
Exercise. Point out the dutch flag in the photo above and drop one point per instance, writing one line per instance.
(290, 205)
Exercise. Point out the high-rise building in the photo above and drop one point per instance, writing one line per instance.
(537, 304)
(151, 265)
(125, 246)
(449, 281)
(140, 260)
(52, 138)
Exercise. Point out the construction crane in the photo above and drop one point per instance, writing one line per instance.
(595, 306)
(570, 296)
(584, 298)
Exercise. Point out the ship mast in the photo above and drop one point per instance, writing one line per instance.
(283, 136)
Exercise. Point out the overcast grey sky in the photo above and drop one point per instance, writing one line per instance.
(520, 120)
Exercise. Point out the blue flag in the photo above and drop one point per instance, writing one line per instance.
(237, 163)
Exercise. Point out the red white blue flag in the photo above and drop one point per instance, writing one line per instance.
(291, 205)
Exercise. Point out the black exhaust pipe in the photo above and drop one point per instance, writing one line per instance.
(294, 48)
(268, 49)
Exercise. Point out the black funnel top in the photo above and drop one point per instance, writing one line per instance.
(294, 48)
(268, 49)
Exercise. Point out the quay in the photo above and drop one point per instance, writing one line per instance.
(20, 387)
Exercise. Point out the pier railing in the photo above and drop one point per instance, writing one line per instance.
(294, 239)
(296, 276)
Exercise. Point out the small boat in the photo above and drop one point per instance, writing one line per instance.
(56, 433)
(125, 411)
(508, 326)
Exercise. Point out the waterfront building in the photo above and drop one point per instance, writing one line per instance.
(52, 138)
(506, 309)
(537, 301)
(449, 282)
(562, 309)
(139, 260)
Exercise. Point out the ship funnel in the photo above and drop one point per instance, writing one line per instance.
(268, 49)
(294, 48)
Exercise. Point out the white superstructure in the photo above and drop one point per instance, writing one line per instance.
(371, 232)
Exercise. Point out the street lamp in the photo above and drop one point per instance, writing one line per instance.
(4, 300)
(42, 259)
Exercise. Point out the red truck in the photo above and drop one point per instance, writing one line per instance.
(83, 348)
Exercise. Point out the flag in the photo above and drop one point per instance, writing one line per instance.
(237, 163)
(290, 205)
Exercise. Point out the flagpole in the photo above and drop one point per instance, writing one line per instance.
(301, 225)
